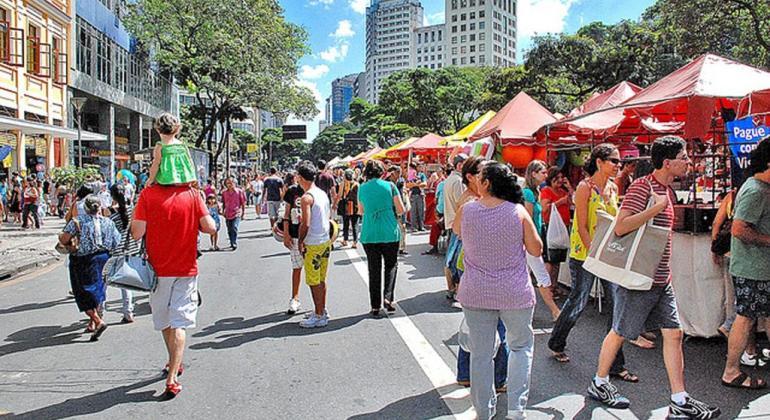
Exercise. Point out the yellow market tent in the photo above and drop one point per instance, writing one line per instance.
(459, 138)
(383, 154)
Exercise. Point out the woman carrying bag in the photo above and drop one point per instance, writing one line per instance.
(349, 207)
(97, 236)
(120, 214)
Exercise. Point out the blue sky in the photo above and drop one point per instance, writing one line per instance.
(336, 30)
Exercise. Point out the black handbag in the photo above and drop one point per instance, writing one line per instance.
(721, 244)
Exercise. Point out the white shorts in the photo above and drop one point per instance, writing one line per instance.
(297, 260)
(273, 207)
(174, 302)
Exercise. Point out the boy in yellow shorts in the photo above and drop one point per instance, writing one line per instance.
(314, 242)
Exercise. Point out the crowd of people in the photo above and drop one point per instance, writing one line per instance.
(494, 283)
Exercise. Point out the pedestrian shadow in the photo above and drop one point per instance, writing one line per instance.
(276, 255)
(283, 330)
(35, 306)
(429, 302)
(427, 405)
(250, 237)
(239, 323)
(94, 403)
(40, 337)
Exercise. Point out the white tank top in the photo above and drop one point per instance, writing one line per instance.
(319, 217)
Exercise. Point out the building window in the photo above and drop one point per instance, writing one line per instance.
(462, 39)
(463, 28)
(482, 36)
(5, 36)
(482, 14)
(472, 48)
(463, 49)
(463, 61)
(462, 16)
(454, 29)
(33, 49)
(59, 61)
(472, 37)
(454, 18)
(482, 47)
(454, 61)
(472, 59)
(482, 26)
(454, 4)
(481, 59)
(472, 26)
(84, 49)
(454, 40)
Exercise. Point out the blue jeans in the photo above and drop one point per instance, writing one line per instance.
(501, 361)
(521, 342)
(232, 230)
(582, 282)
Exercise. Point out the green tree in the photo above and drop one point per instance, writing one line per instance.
(410, 96)
(284, 152)
(229, 54)
(330, 143)
(379, 128)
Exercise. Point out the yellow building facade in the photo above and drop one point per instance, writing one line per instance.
(35, 56)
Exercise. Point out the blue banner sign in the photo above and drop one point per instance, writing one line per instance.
(743, 136)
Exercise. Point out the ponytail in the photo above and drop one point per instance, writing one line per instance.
(502, 182)
(118, 193)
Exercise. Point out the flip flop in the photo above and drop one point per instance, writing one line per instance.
(754, 383)
(179, 372)
(172, 390)
(561, 357)
(99, 331)
(625, 376)
(643, 343)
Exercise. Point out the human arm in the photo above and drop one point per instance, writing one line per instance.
(746, 232)
(529, 201)
(304, 227)
(242, 198)
(749, 212)
(156, 156)
(397, 203)
(532, 242)
(457, 222)
(721, 216)
(632, 217)
(287, 242)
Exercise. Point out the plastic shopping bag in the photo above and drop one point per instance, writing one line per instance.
(557, 235)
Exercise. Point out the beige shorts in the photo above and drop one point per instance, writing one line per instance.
(174, 303)
(297, 260)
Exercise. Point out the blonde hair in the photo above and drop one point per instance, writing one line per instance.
(529, 175)
(166, 124)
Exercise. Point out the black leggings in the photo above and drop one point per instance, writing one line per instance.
(30, 208)
(375, 254)
(353, 221)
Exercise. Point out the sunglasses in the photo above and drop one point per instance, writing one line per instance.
(615, 161)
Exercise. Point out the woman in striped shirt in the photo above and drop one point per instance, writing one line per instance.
(120, 214)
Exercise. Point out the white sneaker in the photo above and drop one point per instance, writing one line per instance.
(314, 321)
(752, 360)
(311, 313)
(294, 306)
(457, 305)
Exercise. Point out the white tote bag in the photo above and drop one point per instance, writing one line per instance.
(630, 261)
(557, 235)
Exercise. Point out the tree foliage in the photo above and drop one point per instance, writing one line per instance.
(284, 152)
(330, 143)
(229, 54)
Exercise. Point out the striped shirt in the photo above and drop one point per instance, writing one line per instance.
(133, 246)
(636, 201)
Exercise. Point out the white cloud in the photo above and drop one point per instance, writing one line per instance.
(434, 19)
(312, 125)
(344, 30)
(359, 6)
(542, 16)
(335, 53)
(326, 3)
(313, 72)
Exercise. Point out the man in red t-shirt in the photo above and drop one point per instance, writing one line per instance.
(637, 311)
(169, 218)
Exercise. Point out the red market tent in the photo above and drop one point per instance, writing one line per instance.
(516, 123)
(429, 144)
(755, 103)
(686, 101)
(567, 130)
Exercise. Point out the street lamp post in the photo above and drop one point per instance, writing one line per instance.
(77, 103)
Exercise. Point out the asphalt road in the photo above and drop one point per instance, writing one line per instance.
(248, 359)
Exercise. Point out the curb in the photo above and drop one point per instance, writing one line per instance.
(11, 272)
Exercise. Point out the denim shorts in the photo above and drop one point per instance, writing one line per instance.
(638, 311)
(752, 297)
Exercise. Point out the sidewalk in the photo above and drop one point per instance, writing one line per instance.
(23, 249)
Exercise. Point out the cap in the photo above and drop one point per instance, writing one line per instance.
(459, 159)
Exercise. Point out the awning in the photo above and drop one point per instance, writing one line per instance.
(30, 127)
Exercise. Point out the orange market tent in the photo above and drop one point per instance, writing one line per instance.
(392, 151)
(429, 144)
(516, 122)
(686, 102)
(364, 156)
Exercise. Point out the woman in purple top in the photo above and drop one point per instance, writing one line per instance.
(495, 286)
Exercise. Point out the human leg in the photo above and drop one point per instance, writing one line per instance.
(521, 341)
(25, 216)
(390, 256)
(354, 224)
(127, 298)
(175, 339)
(482, 328)
(501, 358)
(374, 262)
(573, 307)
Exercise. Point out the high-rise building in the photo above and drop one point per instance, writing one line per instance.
(343, 92)
(359, 88)
(481, 32)
(429, 46)
(389, 44)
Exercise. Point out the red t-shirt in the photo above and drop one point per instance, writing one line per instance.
(172, 214)
(549, 193)
(636, 200)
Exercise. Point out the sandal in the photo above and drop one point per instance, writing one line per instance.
(389, 306)
(625, 376)
(643, 343)
(738, 382)
(98, 332)
(561, 357)
(172, 390)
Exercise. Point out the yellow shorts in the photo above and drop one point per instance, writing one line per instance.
(317, 263)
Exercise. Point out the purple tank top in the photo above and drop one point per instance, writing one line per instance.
(496, 275)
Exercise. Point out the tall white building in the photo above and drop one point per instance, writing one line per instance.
(429, 46)
(390, 25)
(481, 32)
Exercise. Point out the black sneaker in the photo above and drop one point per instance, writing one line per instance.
(692, 409)
(608, 395)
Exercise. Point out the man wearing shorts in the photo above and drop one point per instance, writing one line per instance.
(314, 242)
(257, 186)
(637, 311)
(169, 218)
(273, 186)
(750, 265)
(291, 222)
